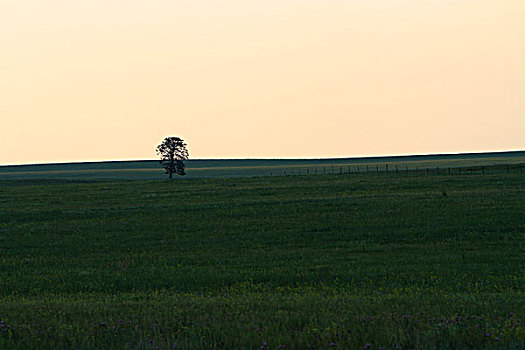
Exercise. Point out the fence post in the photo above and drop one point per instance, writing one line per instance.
(377, 168)
(358, 168)
(386, 168)
(396, 168)
(437, 170)
(406, 169)
(427, 170)
(483, 170)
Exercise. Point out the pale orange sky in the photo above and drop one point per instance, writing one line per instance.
(108, 79)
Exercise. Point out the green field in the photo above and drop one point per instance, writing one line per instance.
(222, 168)
(352, 261)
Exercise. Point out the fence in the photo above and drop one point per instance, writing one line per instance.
(394, 169)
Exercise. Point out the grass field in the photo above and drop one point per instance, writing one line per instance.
(352, 261)
(222, 168)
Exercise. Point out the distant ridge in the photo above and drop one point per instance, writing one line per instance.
(229, 168)
(364, 158)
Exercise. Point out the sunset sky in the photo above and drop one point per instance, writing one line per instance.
(84, 80)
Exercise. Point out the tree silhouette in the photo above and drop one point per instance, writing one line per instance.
(173, 153)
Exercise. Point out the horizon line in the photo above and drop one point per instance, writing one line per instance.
(277, 158)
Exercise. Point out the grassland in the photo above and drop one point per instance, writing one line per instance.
(222, 168)
(352, 261)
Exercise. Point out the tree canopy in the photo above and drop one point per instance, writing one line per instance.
(173, 153)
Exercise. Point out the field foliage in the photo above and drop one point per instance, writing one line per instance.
(221, 168)
(346, 261)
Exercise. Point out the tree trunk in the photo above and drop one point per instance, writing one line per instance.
(171, 174)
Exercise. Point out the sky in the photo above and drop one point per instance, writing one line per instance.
(91, 80)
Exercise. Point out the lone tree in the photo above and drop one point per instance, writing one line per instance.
(173, 153)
